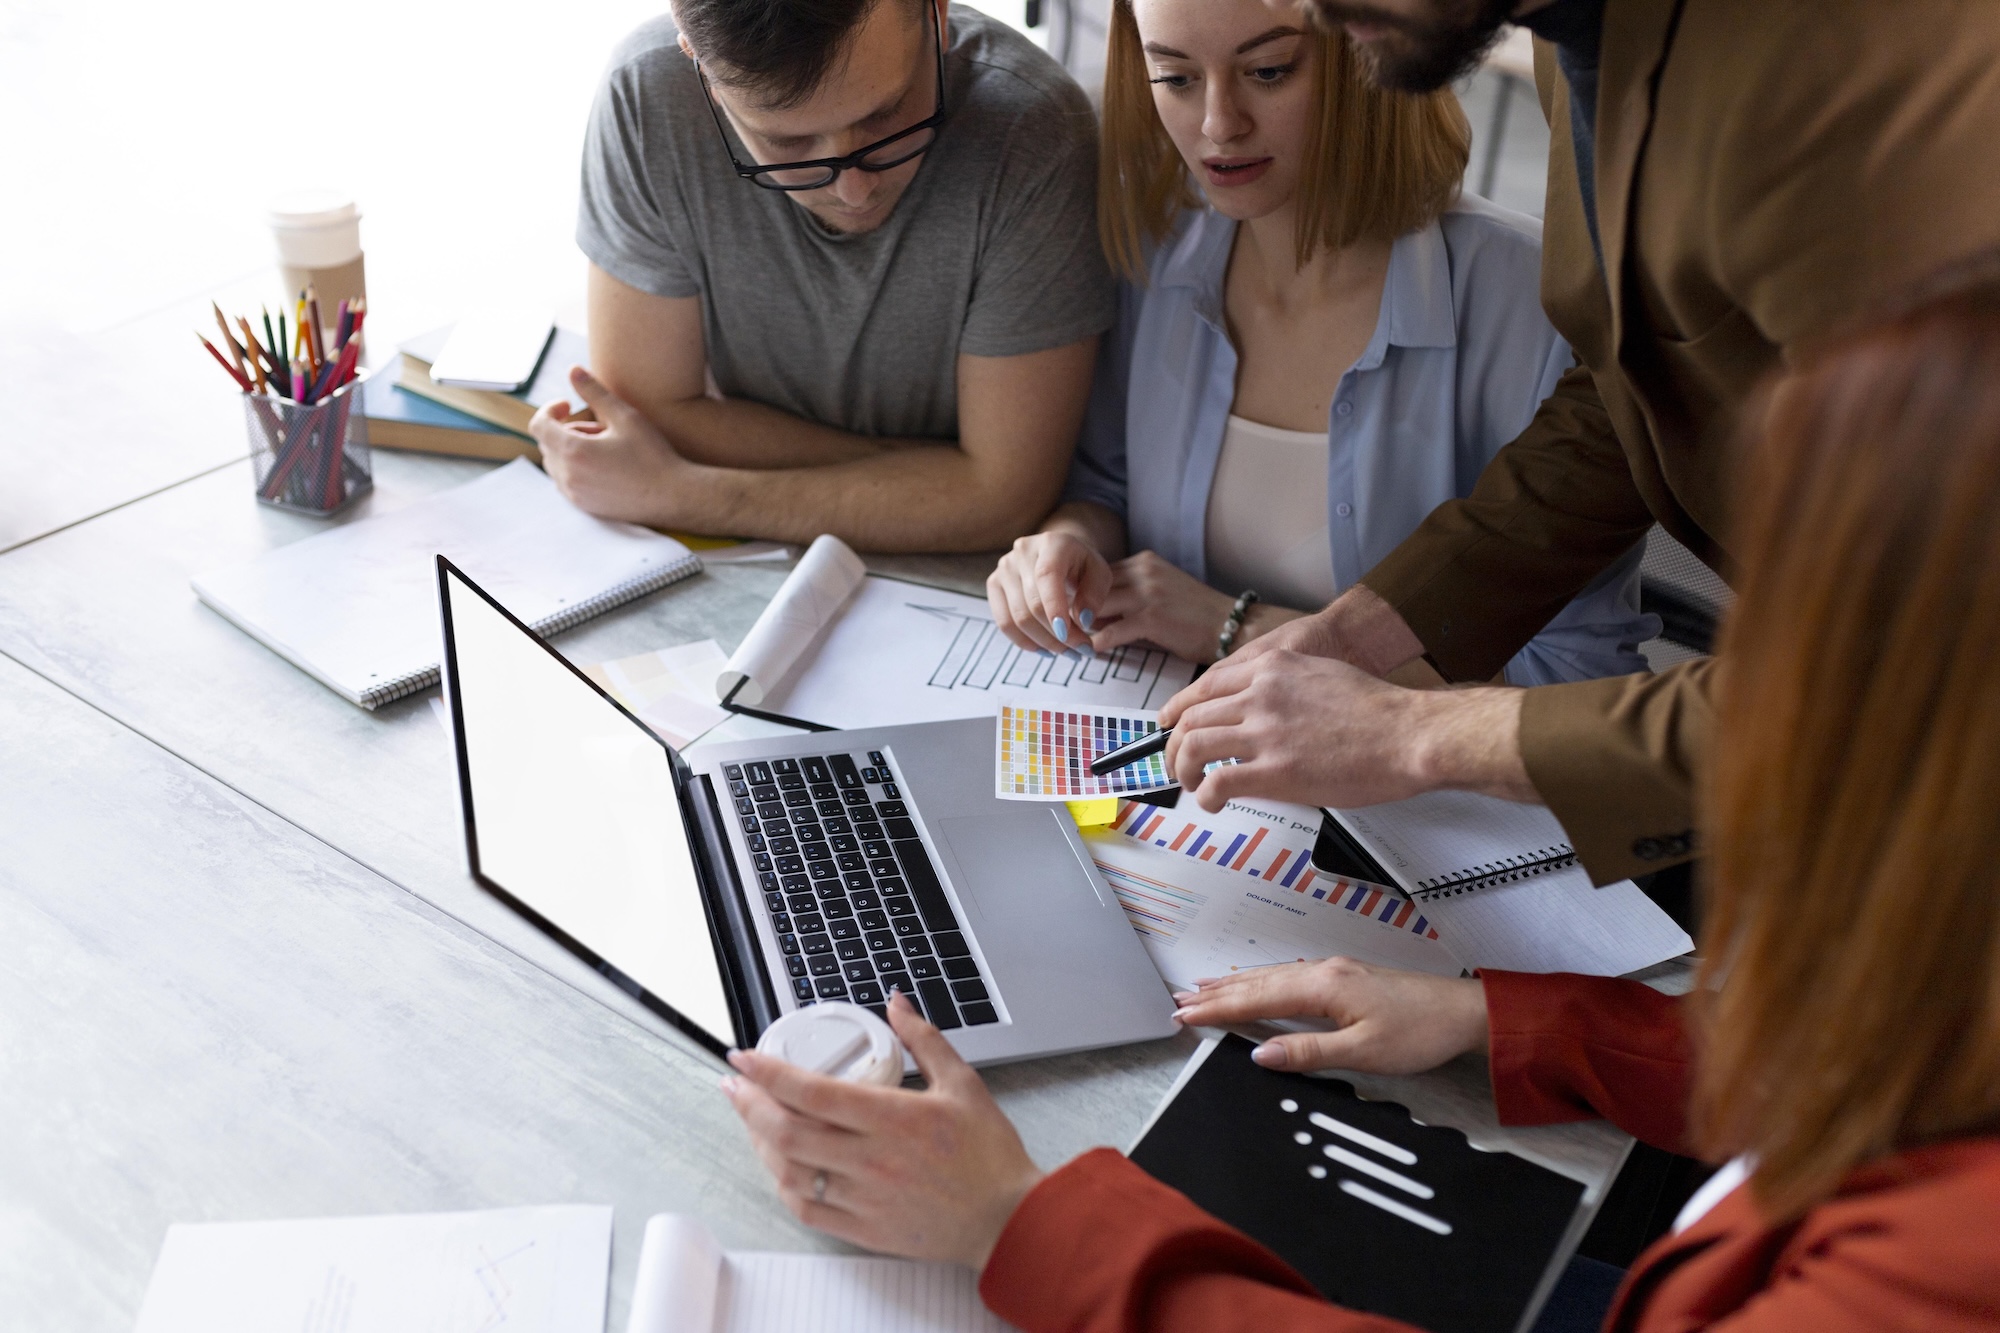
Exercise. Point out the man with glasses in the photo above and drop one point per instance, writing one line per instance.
(844, 277)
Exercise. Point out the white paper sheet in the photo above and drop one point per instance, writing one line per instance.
(809, 600)
(902, 652)
(524, 1270)
(1198, 919)
(671, 690)
(687, 1285)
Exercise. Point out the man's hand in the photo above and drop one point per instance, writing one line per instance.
(613, 463)
(1357, 627)
(930, 1175)
(1321, 732)
(1388, 1021)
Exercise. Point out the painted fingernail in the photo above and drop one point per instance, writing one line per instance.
(1061, 629)
(1270, 1055)
(1185, 997)
(1087, 619)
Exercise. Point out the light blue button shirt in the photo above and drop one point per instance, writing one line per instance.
(1460, 358)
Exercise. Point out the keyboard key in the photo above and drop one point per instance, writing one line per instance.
(844, 930)
(781, 923)
(885, 869)
(766, 880)
(907, 927)
(837, 908)
(880, 1011)
(732, 771)
(836, 824)
(906, 986)
(791, 865)
(791, 782)
(785, 765)
(831, 809)
(857, 881)
(809, 923)
(824, 965)
(802, 902)
(774, 828)
(796, 965)
(889, 790)
(802, 988)
(762, 860)
(857, 796)
(950, 944)
(968, 990)
(871, 775)
(875, 758)
(877, 849)
(849, 950)
(850, 860)
(858, 972)
(778, 846)
(770, 810)
(890, 885)
(866, 900)
(931, 902)
(870, 994)
(831, 988)
(795, 799)
(843, 768)
(824, 791)
(764, 791)
(899, 827)
(758, 771)
(774, 902)
(888, 809)
(873, 920)
(745, 806)
(756, 843)
(938, 1003)
(844, 842)
(868, 830)
(978, 1012)
(739, 789)
(898, 904)
(752, 825)
(788, 943)
(815, 944)
(888, 960)
(816, 851)
(921, 968)
(878, 937)
(822, 870)
(914, 946)
(830, 888)
(811, 833)
(958, 969)
(815, 770)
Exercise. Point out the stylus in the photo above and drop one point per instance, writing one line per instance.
(1125, 755)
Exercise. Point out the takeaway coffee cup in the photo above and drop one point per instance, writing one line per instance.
(318, 237)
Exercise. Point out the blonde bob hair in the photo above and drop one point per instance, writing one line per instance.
(1377, 163)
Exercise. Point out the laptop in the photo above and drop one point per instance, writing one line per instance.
(732, 886)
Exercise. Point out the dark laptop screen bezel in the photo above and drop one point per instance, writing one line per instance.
(745, 983)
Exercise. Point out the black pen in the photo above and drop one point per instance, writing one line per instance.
(1126, 755)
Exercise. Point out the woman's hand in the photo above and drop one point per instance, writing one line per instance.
(1155, 601)
(930, 1175)
(611, 461)
(1390, 1021)
(1047, 590)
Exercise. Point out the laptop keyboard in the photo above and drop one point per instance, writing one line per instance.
(858, 906)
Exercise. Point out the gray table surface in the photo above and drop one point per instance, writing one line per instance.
(248, 975)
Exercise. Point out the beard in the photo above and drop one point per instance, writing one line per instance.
(1421, 56)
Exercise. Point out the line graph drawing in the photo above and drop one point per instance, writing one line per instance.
(979, 657)
(491, 1301)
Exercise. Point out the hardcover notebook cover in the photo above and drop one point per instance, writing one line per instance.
(1377, 1211)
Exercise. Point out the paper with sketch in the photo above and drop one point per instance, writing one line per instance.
(671, 690)
(1202, 919)
(901, 652)
(526, 1270)
(807, 603)
(688, 1284)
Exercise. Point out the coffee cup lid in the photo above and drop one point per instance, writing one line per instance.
(300, 209)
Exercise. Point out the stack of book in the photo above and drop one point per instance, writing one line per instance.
(407, 409)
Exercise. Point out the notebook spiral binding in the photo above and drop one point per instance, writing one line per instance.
(1493, 874)
(567, 618)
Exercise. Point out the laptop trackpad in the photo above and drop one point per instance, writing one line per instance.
(1018, 860)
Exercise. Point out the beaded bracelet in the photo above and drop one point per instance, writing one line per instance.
(1227, 639)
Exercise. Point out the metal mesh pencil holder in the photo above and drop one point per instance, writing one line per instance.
(311, 458)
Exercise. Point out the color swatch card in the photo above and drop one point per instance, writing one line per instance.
(1045, 751)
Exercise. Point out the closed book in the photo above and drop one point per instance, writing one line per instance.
(1380, 1213)
(399, 419)
(509, 411)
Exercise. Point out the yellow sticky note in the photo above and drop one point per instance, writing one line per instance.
(1093, 814)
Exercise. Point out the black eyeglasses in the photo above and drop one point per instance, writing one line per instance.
(882, 155)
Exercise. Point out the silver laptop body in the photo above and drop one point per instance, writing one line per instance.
(683, 877)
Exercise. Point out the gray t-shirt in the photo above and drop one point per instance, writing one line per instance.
(992, 251)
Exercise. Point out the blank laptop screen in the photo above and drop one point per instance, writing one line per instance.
(574, 813)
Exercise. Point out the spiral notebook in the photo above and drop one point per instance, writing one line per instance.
(356, 607)
(1501, 883)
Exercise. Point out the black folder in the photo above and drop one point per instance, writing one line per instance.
(1378, 1212)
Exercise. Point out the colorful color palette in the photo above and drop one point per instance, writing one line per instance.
(1044, 754)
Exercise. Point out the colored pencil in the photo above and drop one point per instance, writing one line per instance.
(242, 381)
(318, 337)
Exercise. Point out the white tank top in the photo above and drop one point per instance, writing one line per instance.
(1267, 516)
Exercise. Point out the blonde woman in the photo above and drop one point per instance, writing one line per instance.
(1319, 342)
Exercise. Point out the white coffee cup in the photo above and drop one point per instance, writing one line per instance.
(838, 1039)
(318, 239)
